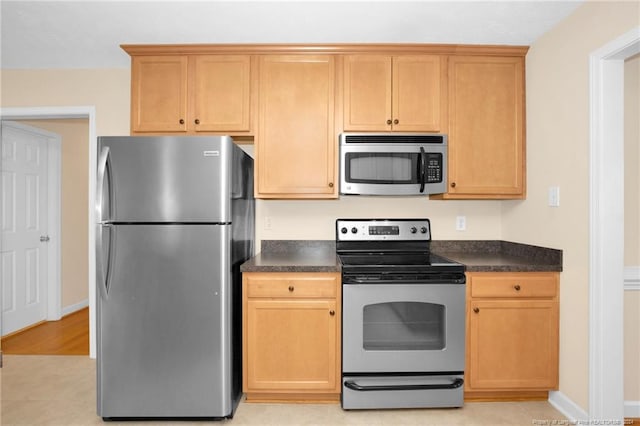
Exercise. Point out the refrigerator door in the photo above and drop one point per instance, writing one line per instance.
(164, 179)
(163, 322)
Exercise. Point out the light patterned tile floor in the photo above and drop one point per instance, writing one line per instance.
(61, 390)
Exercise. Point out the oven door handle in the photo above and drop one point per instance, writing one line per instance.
(422, 168)
(356, 387)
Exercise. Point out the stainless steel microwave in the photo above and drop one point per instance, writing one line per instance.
(393, 163)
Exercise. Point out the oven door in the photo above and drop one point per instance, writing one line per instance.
(403, 328)
(411, 169)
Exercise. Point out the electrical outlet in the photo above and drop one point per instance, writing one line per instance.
(267, 223)
(461, 223)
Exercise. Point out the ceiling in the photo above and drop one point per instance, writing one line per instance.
(87, 34)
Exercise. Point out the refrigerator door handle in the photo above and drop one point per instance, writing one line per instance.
(104, 171)
(104, 273)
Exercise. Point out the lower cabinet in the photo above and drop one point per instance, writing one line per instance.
(291, 336)
(512, 335)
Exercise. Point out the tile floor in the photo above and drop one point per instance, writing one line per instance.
(60, 390)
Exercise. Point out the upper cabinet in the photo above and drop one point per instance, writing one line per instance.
(405, 93)
(486, 127)
(293, 100)
(191, 94)
(296, 143)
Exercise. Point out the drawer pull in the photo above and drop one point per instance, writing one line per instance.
(291, 288)
(517, 287)
(476, 310)
(332, 312)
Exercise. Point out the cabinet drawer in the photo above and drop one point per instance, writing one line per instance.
(514, 285)
(291, 285)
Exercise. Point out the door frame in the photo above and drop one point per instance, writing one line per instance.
(53, 290)
(606, 226)
(62, 112)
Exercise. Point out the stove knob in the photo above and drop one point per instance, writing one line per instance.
(413, 230)
(343, 230)
(423, 230)
(354, 230)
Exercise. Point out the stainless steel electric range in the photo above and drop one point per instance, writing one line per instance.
(403, 317)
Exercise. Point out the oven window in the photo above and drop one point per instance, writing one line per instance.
(382, 168)
(404, 326)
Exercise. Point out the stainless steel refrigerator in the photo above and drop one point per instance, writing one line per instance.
(175, 221)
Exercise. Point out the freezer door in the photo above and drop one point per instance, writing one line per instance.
(164, 322)
(165, 179)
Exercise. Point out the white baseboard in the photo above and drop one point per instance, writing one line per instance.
(75, 307)
(632, 409)
(567, 407)
(574, 413)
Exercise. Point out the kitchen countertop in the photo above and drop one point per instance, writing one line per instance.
(499, 256)
(476, 255)
(294, 256)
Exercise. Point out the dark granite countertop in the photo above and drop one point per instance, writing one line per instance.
(294, 256)
(476, 255)
(499, 256)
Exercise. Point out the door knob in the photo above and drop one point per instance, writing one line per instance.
(44, 238)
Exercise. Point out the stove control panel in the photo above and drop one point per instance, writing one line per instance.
(383, 230)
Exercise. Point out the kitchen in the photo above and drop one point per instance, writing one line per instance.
(529, 221)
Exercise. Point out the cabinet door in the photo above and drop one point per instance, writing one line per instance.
(159, 94)
(418, 93)
(486, 127)
(296, 143)
(513, 344)
(291, 345)
(220, 92)
(367, 93)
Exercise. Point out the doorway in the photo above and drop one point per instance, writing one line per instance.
(606, 399)
(85, 211)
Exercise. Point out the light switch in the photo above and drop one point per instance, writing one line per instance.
(554, 196)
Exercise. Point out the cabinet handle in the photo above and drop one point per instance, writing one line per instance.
(453, 184)
(197, 121)
(291, 288)
(396, 121)
(182, 121)
(330, 184)
(389, 121)
(517, 287)
(476, 310)
(332, 312)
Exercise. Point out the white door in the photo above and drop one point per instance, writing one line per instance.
(24, 226)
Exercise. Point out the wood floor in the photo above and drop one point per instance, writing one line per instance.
(68, 336)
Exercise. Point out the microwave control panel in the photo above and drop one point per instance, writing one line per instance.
(433, 173)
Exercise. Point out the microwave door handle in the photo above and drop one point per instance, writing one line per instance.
(422, 169)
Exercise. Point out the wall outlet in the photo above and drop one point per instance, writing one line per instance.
(554, 196)
(461, 223)
(267, 223)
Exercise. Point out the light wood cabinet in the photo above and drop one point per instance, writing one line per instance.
(405, 93)
(296, 145)
(192, 94)
(486, 127)
(294, 100)
(512, 333)
(291, 336)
